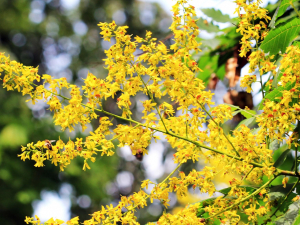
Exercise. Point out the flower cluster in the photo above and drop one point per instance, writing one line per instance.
(247, 81)
(282, 113)
(248, 13)
(30, 220)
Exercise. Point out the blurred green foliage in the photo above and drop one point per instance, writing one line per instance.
(46, 33)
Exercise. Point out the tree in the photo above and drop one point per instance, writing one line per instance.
(246, 153)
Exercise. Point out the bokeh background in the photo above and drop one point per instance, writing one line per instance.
(62, 38)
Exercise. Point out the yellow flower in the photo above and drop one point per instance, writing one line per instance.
(284, 181)
(73, 221)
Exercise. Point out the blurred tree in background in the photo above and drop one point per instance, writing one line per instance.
(62, 38)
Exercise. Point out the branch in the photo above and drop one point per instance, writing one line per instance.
(159, 130)
(244, 199)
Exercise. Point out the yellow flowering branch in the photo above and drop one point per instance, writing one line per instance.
(202, 106)
(244, 199)
(243, 152)
(148, 196)
(162, 131)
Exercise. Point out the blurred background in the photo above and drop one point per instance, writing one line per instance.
(62, 38)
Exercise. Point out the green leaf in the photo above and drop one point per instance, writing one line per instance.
(208, 26)
(204, 76)
(294, 165)
(297, 43)
(281, 189)
(279, 38)
(208, 64)
(281, 158)
(278, 152)
(210, 43)
(221, 72)
(278, 91)
(283, 6)
(216, 15)
(279, 196)
(236, 112)
(248, 113)
(246, 122)
(217, 222)
(272, 23)
(261, 105)
(206, 215)
(285, 19)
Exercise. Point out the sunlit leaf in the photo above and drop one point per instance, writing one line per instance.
(221, 72)
(283, 6)
(297, 219)
(278, 91)
(279, 38)
(208, 65)
(272, 23)
(236, 112)
(248, 113)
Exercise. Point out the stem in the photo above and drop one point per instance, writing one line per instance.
(244, 178)
(183, 138)
(162, 131)
(186, 129)
(165, 180)
(261, 84)
(151, 96)
(203, 108)
(288, 173)
(177, 167)
(279, 171)
(115, 137)
(296, 165)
